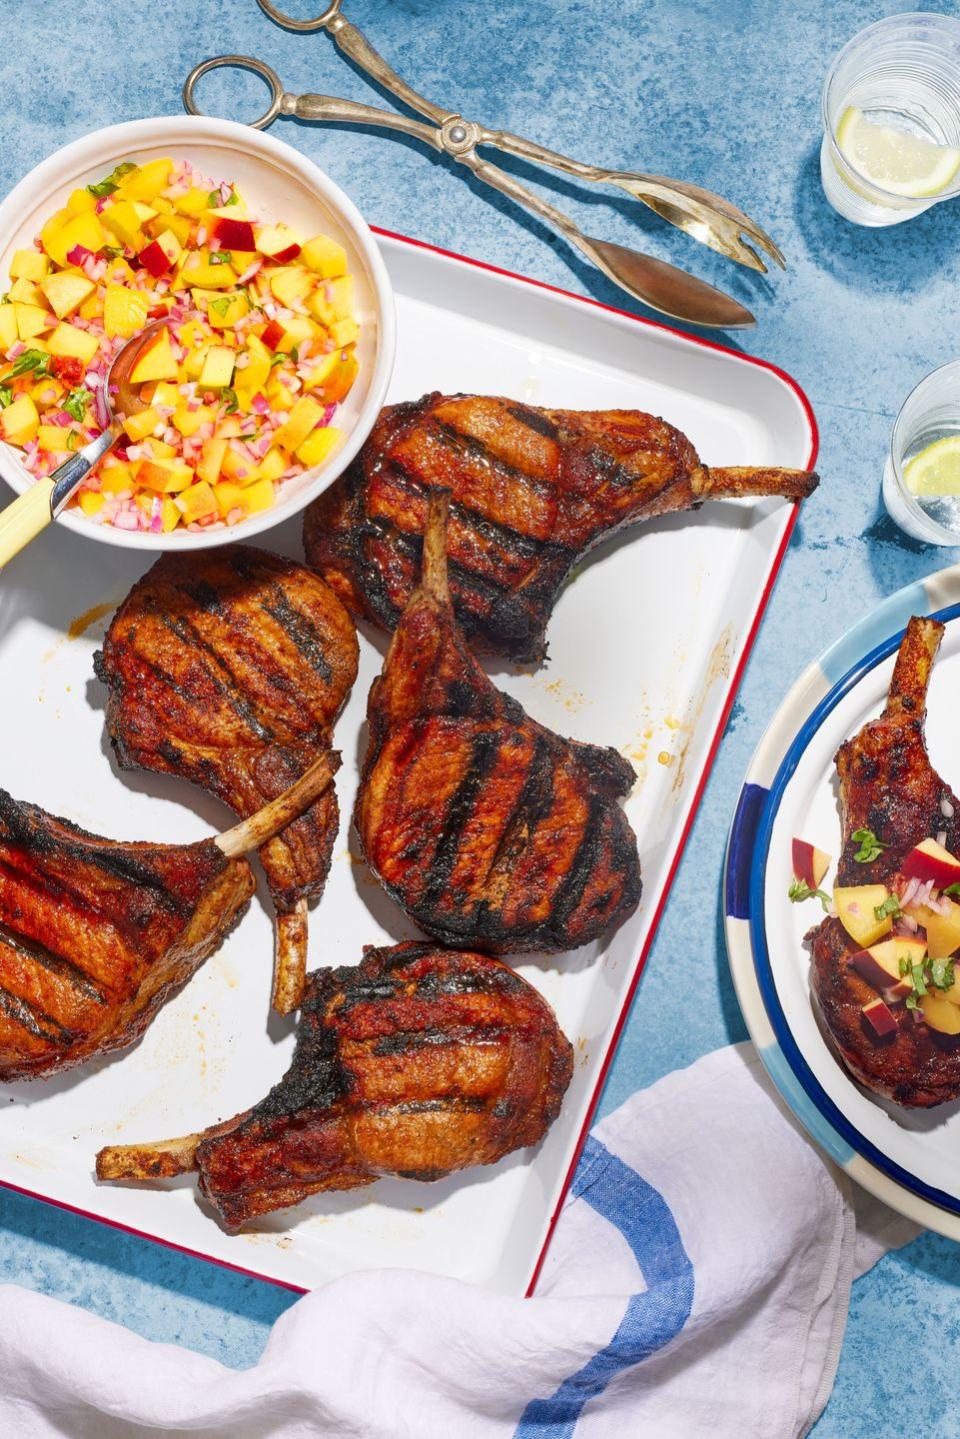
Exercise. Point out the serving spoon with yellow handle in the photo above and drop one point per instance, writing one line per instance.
(38, 506)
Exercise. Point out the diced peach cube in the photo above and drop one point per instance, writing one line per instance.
(260, 496)
(20, 421)
(217, 371)
(8, 327)
(197, 502)
(124, 311)
(139, 426)
(305, 416)
(29, 265)
(324, 256)
(31, 320)
(91, 502)
(319, 445)
(69, 341)
(156, 362)
(66, 291)
(146, 181)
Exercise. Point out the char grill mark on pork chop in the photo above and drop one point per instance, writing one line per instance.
(229, 668)
(888, 785)
(416, 1063)
(488, 829)
(95, 935)
(531, 491)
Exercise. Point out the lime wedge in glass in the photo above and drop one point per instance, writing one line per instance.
(900, 163)
(936, 470)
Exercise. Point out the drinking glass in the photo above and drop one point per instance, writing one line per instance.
(930, 412)
(903, 72)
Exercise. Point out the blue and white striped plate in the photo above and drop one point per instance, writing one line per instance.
(909, 1160)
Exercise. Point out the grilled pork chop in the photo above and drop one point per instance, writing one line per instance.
(532, 491)
(96, 934)
(417, 1062)
(486, 828)
(887, 785)
(229, 668)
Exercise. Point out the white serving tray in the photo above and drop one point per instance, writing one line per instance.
(646, 651)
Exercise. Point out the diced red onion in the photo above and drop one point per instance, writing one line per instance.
(100, 408)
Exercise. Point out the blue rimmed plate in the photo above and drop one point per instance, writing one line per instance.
(909, 1160)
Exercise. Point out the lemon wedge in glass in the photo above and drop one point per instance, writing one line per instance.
(895, 161)
(936, 470)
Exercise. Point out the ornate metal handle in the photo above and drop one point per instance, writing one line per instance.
(67, 477)
(328, 107)
(358, 48)
(507, 185)
(529, 150)
(356, 45)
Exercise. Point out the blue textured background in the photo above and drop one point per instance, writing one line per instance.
(721, 93)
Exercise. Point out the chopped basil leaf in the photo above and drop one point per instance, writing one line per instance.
(295, 353)
(279, 358)
(220, 257)
(229, 398)
(904, 967)
(951, 889)
(34, 360)
(107, 187)
(6, 396)
(76, 403)
(919, 979)
(941, 973)
(912, 1002)
(870, 846)
(799, 890)
(110, 252)
(222, 305)
(891, 906)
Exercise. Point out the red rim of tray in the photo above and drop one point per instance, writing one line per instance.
(694, 805)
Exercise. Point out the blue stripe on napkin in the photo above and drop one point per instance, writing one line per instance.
(651, 1319)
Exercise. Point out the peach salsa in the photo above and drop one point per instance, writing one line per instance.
(908, 931)
(241, 383)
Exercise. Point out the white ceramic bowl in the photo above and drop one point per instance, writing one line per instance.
(278, 183)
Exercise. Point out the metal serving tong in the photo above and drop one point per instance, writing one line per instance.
(707, 217)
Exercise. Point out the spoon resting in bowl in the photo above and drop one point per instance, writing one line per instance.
(38, 506)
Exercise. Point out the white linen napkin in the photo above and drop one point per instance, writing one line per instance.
(698, 1283)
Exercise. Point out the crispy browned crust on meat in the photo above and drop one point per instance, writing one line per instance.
(229, 668)
(97, 934)
(487, 828)
(915, 1067)
(532, 490)
(888, 785)
(417, 1062)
